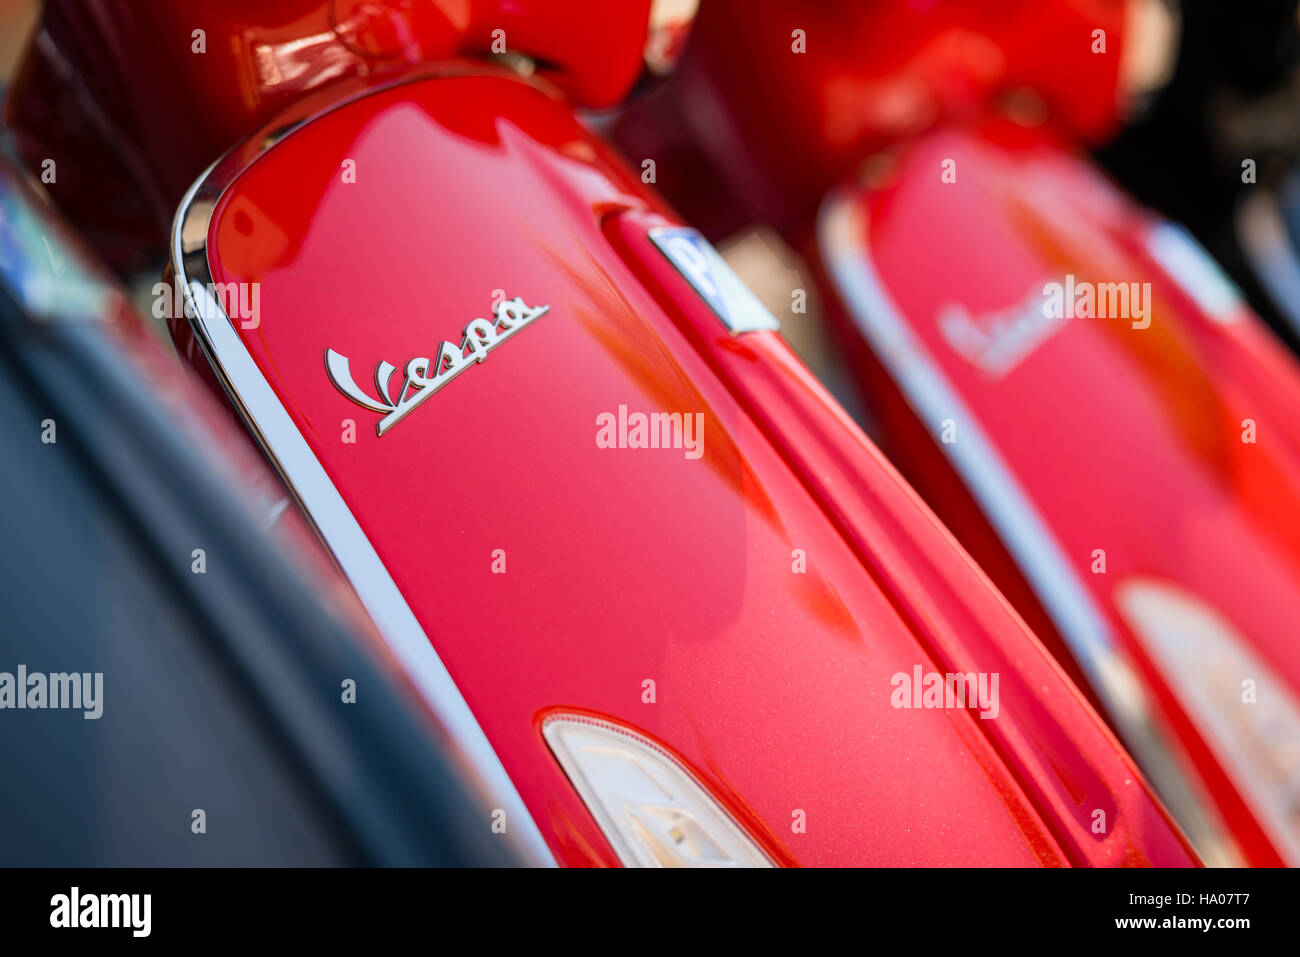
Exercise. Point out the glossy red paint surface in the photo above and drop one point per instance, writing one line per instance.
(1124, 439)
(135, 98)
(783, 98)
(625, 564)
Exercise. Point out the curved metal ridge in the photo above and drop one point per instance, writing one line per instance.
(287, 450)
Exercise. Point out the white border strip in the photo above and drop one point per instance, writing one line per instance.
(288, 451)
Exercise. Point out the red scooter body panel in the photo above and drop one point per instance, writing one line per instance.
(1128, 435)
(626, 565)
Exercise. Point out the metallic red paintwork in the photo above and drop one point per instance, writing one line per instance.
(627, 565)
(1126, 439)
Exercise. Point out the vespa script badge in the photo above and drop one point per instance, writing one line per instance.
(424, 378)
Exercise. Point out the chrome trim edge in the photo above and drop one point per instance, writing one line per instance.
(1018, 524)
(306, 479)
(1261, 232)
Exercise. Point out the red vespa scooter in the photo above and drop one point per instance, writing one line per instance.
(671, 605)
(1069, 380)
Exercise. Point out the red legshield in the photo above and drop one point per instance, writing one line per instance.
(541, 567)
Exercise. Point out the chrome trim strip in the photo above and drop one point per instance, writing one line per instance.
(1261, 231)
(1012, 514)
(288, 451)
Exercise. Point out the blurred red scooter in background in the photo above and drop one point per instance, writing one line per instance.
(1068, 379)
(662, 594)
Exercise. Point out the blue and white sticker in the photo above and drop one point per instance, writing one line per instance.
(706, 270)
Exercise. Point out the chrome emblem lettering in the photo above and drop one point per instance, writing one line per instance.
(424, 378)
